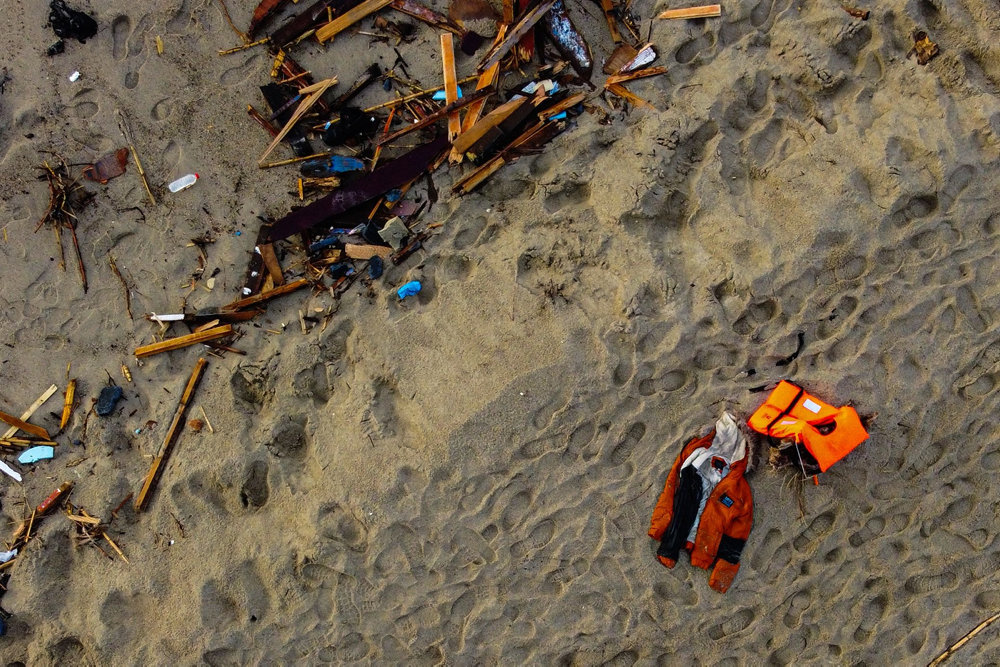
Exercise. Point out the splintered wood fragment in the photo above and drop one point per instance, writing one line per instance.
(366, 251)
(211, 324)
(88, 520)
(349, 18)
(523, 27)
(183, 341)
(559, 107)
(608, 7)
(26, 415)
(631, 76)
(205, 417)
(508, 12)
(176, 426)
(26, 442)
(37, 431)
(486, 80)
(700, 12)
(430, 119)
(68, 404)
(450, 83)
(313, 93)
(530, 138)
(272, 264)
(472, 180)
(287, 288)
(114, 546)
(624, 93)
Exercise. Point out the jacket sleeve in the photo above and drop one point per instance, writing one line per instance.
(664, 509)
(734, 537)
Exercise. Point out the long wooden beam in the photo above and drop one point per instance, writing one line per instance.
(176, 426)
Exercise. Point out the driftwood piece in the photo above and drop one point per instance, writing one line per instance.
(523, 27)
(700, 12)
(432, 118)
(488, 122)
(632, 76)
(176, 426)
(961, 642)
(608, 8)
(287, 288)
(349, 18)
(183, 341)
(26, 415)
(567, 103)
(427, 15)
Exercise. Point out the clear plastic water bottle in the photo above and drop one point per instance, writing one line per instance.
(183, 183)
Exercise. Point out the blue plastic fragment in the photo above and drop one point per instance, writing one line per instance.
(394, 195)
(35, 454)
(559, 116)
(439, 96)
(375, 267)
(409, 289)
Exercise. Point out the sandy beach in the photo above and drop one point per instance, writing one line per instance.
(466, 476)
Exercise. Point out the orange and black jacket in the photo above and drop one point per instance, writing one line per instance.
(724, 524)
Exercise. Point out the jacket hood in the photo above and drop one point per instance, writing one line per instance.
(728, 442)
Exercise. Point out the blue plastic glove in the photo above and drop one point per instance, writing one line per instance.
(409, 289)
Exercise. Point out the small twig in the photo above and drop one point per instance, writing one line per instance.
(964, 640)
(128, 298)
(239, 33)
(127, 133)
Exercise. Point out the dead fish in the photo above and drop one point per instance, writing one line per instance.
(568, 40)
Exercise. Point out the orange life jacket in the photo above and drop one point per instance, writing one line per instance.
(828, 433)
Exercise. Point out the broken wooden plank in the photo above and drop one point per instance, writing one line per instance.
(700, 12)
(176, 426)
(489, 121)
(36, 431)
(68, 403)
(183, 341)
(486, 80)
(523, 27)
(26, 415)
(287, 288)
(349, 18)
(450, 83)
(88, 520)
(430, 119)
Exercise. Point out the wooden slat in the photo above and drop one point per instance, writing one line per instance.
(434, 117)
(356, 251)
(624, 93)
(265, 296)
(36, 431)
(450, 83)
(183, 341)
(527, 22)
(176, 426)
(26, 415)
(701, 12)
(349, 18)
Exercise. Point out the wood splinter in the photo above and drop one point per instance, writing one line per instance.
(701, 12)
(183, 341)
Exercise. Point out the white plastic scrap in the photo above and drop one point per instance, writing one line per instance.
(10, 471)
(74, 76)
(7, 555)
